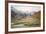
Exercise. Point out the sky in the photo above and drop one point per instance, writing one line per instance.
(26, 8)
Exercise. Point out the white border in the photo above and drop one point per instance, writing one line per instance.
(23, 29)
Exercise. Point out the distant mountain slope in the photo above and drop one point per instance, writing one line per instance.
(17, 13)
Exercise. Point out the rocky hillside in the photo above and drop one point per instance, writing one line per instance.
(30, 21)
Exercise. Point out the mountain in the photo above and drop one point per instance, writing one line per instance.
(36, 15)
(28, 21)
(17, 14)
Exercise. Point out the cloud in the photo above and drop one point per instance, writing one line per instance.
(25, 8)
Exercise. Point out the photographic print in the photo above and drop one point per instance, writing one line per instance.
(25, 16)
